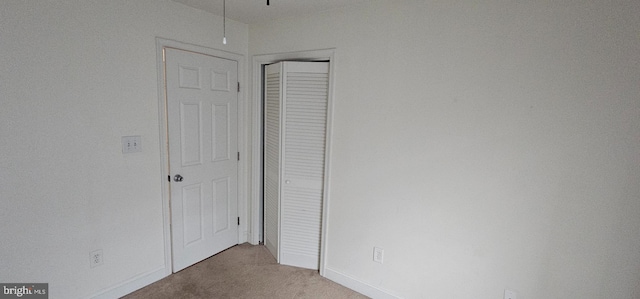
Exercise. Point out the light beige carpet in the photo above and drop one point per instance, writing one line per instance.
(244, 271)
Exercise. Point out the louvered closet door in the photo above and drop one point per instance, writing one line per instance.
(305, 93)
(296, 95)
(272, 158)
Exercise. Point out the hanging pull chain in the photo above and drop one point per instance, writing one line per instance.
(224, 22)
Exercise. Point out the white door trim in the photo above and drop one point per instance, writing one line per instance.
(164, 142)
(256, 139)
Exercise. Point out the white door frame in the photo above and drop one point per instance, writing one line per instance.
(164, 141)
(256, 140)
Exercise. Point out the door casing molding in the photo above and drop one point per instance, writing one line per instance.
(255, 235)
(243, 171)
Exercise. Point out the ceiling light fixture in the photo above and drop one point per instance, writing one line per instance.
(224, 22)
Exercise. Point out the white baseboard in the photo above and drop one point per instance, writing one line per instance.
(132, 284)
(357, 285)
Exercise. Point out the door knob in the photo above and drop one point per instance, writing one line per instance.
(177, 178)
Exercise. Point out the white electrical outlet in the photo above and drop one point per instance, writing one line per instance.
(96, 258)
(378, 255)
(509, 294)
(131, 144)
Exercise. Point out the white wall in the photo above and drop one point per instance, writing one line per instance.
(484, 145)
(75, 76)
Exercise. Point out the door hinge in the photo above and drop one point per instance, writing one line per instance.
(238, 86)
(238, 156)
(169, 178)
(238, 220)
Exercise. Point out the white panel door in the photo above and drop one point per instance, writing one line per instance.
(202, 122)
(299, 147)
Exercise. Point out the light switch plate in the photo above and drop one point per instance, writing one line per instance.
(131, 144)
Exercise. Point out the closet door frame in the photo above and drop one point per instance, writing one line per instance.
(258, 62)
